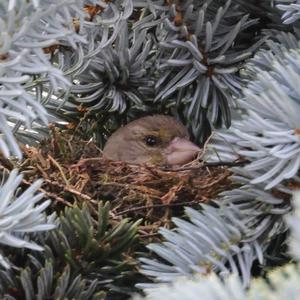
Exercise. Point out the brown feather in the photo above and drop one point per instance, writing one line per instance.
(128, 142)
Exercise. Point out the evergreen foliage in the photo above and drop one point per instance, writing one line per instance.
(228, 69)
(27, 29)
(21, 215)
(163, 58)
(265, 136)
(291, 10)
(281, 283)
(84, 258)
(215, 239)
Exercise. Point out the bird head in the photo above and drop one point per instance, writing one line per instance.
(158, 139)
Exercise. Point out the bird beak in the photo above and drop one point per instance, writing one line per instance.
(181, 151)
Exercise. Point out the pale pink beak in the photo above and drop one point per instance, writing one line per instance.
(181, 151)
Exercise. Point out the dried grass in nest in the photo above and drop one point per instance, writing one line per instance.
(74, 171)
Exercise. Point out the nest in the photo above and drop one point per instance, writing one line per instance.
(75, 172)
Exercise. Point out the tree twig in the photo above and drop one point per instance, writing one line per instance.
(57, 165)
(208, 164)
(133, 209)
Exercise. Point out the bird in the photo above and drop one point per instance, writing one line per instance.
(155, 139)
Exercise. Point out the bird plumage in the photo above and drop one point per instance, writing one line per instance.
(148, 140)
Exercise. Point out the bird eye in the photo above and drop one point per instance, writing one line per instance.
(151, 140)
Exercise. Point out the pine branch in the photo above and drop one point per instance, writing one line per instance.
(28, 28)
(20, 215)
(185, 57)
(267, 135)
(202, 46)
(291, 10)
(293, 221)
(281, 283)
(215, 239)
(86, 257)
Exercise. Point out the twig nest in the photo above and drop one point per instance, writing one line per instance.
(75, 171)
